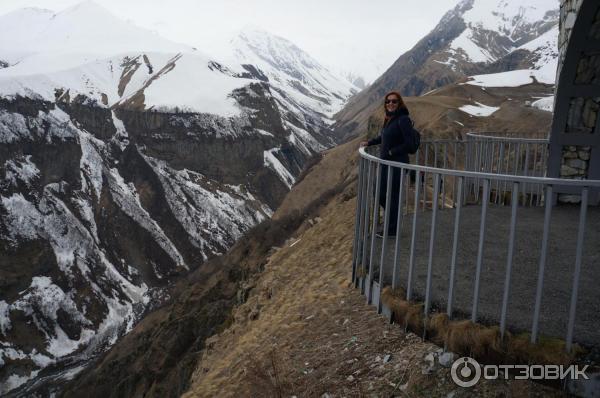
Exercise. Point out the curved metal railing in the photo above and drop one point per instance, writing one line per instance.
(455, 196)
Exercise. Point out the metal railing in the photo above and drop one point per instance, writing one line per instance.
(458, 193)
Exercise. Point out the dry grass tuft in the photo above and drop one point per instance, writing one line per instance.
(551, 351)
(403, 312)
(483, 343)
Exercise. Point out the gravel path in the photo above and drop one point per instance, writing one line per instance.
(558, 274)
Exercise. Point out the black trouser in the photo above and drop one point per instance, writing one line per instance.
(394, 205)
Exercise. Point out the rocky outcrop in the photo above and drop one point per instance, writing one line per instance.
(103, 209)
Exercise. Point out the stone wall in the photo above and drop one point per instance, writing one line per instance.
(574, 161)
(583, 111)
(568, 14)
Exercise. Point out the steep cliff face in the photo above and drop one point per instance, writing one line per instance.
(95, 227)
(124, 169)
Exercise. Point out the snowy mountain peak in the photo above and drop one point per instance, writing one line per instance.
(73, 30)
(85, 10)
(493, 28)
(275, 50)
(287, 65)
(515, 20)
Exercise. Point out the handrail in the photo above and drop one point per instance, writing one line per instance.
(480, 175)
(432, 196)
(499, 137)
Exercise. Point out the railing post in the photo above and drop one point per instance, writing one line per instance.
(368, 198)
(413, 239)
(374, 231)
(396, 272)
(540, 283)
(509, 259)
(436, 192)
(355, 248)
(484, 205)
(578, 255)
(386, 222)
(455, 246)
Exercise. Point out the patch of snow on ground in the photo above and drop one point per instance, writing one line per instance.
(479, 110)
(545, 104)
(513, 78)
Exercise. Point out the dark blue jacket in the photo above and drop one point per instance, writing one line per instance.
(394, 136)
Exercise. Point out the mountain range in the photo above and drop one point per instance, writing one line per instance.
(126, 164)
(476, 37)
(131, 165)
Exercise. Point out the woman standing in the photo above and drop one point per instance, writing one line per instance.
(395, 137)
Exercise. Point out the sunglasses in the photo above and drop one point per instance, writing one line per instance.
(391, 101)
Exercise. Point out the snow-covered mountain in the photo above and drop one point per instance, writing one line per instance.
(476, 37)
(127, 160)
(290, 68)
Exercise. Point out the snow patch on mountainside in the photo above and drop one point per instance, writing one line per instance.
(22, 169)
(290, 68)
(545, 104)
(496, 28)
(273, 163)
(214, 219)
(507, 16)
(465, 44)
(126, 196)
(514, 78)
(479, 110)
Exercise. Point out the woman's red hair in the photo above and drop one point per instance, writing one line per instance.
(401, 104)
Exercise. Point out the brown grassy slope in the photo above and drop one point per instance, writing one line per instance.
(437, 114)
(305, 331)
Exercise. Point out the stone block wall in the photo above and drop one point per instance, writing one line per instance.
(575, 161)
(568, 15)
(583, 111)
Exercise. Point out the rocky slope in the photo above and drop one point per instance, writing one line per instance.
(476, 37)
(278, 317)
(126, 166)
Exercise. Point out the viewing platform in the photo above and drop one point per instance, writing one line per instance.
(485, 236)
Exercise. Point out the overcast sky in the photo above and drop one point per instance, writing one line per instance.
(363, 36)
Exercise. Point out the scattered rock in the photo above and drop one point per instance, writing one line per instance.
(446, 359)
(429, 364)
(387, 358)
(350, 378)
